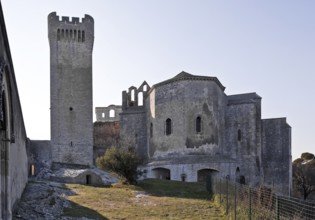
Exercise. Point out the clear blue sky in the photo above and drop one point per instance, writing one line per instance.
(266, 47)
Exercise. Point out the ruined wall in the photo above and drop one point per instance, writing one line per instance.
(243, 135)
(108, 114)
(71, 46)
(276, 157)
(182, 101)
(14, 147)
(133, 123)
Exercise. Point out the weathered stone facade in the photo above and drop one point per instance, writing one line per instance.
(133, 133)
(189, 128)
(71, 46)
(14, 145)
(108, 114)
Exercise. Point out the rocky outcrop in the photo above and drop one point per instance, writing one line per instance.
(44, 200)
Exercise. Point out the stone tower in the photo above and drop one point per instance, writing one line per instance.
(71, 46)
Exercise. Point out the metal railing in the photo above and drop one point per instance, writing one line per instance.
(243, 202)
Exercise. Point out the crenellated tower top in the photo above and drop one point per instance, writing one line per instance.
(74, 30)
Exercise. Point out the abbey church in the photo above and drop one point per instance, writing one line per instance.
(188, 128)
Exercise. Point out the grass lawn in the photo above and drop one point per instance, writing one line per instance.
(150, 199)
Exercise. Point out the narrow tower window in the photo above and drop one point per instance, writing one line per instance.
(239, 135)
(168, 127)
(79, 36)
(151, 130)
(83, 36)
(140, 98)
(58, 34)
(198, 124)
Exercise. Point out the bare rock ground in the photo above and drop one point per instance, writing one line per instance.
(44, 200)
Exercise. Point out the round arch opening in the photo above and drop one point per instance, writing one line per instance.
(162, 173)
(203, 174)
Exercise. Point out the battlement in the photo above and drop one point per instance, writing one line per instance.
(66, 20)
(71, 29)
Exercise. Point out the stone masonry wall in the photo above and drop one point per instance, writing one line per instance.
(14, 146)
(133, 131)
(277, 158)
(189, 170)
(243, 122)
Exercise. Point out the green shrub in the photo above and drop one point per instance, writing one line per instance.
(297, 161)
(123, 161)
(307, 156)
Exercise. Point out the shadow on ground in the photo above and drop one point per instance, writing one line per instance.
(77, 211)
(177, 189)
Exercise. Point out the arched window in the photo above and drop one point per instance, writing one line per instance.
(132, 98)
(168, 127)
(103, 115)
(140, 99)
(242, 180)
(183, 177)
(198, 124)
(237, 175)
(144, 88)
(3, 120)
(239, 135)
(112, 113)
(151, 130)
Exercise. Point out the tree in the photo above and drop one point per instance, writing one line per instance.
(123, 161)
(303, 174)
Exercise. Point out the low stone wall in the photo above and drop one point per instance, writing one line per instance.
(191, 172)
(93, 176)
